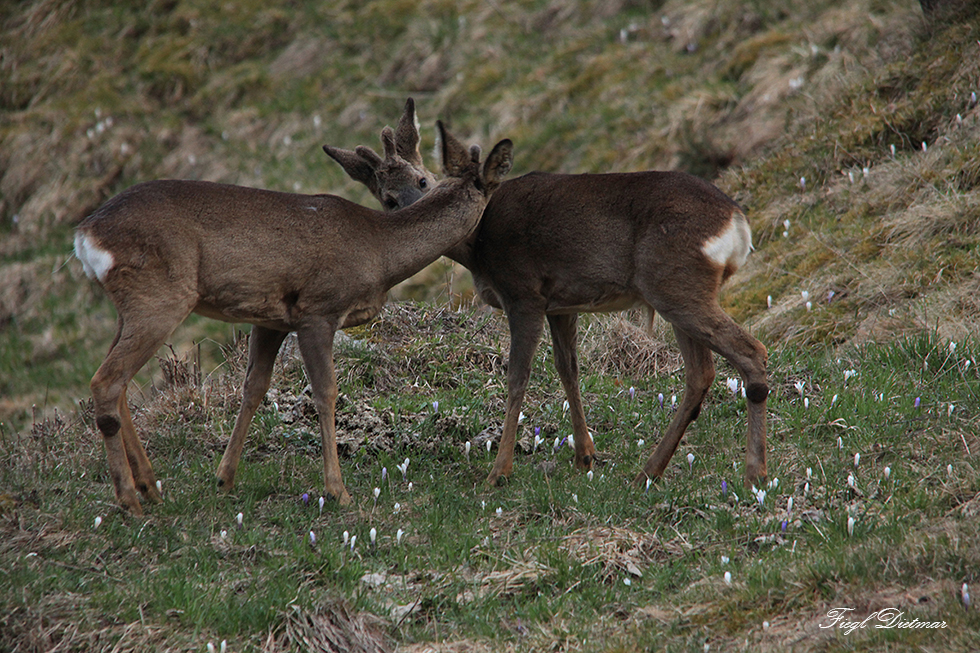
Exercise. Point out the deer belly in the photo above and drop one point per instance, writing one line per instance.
(605, 304)
(271, 314)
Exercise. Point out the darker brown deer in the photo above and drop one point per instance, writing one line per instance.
(553, 246)
(283, 262)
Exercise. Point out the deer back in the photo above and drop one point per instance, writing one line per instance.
(580, 240)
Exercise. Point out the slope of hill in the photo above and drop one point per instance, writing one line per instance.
(760, 95)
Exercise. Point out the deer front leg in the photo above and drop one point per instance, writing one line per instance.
(564, 337)
(525, 332)
(263, 345)
(699, 371)
(316, 347)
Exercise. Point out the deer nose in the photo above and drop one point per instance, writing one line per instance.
(409, 195)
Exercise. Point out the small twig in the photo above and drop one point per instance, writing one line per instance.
(817, 528)
(408, 612)
(965, 445)
(65, 565)
(573, 586)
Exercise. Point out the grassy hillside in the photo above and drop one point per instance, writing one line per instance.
(98, 96)
(872, 506)
(848, 130)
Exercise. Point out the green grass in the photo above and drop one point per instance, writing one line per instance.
(550, 568)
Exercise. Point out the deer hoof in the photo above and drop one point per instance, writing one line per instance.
(342, 499)
(150, 493)
(131, 504)
(641, 480)
(497, 480)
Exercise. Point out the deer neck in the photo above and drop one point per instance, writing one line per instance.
(422, 232)
(462, 252)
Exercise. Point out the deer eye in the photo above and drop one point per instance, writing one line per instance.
(423, 183)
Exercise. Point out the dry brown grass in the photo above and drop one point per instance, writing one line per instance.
(56, 625)
(615, 345)
(620, 552)
(333, 628)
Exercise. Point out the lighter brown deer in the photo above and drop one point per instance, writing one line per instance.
(283, 262)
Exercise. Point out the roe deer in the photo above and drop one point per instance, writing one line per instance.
(283, 262)
(555, 245)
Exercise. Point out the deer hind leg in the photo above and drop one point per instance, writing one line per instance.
(136, 341)
(749, 357)
(525, 333)
(263, 345)
(719, 331)
(563, 335)
(699, 371)
(316, 347)
(139, 464)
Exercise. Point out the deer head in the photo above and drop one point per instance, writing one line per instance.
(398, 179)
(456, 160)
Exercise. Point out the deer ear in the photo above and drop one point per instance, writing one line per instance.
(371, 158)
(388, 141)
(455, 158)
(407, 135)
(360, 164)
(498, 163)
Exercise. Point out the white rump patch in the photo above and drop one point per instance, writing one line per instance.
(730, 247)
(95, 261)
